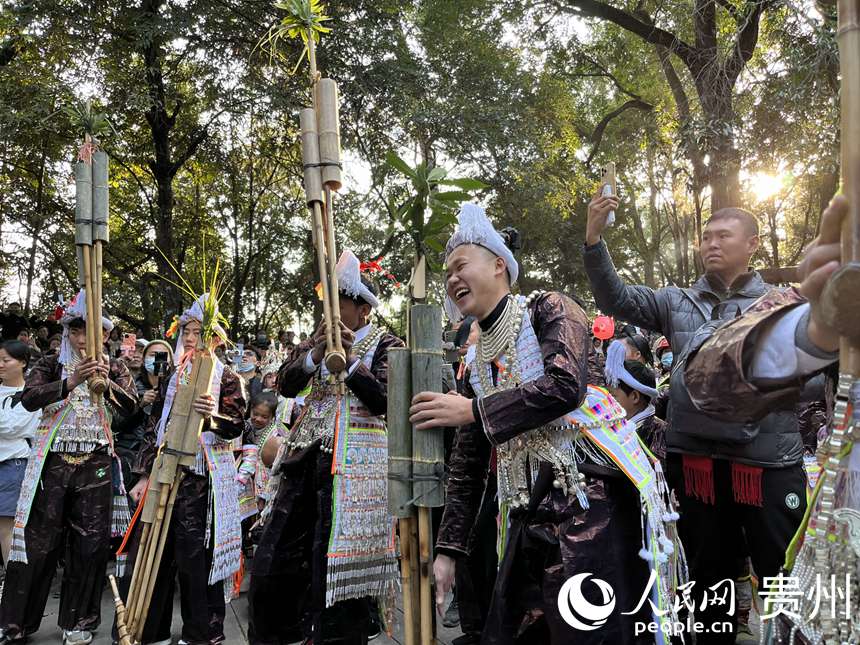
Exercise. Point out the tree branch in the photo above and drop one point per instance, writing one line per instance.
(731, 9)
(597, 136)
(746, 40)
(629, 22)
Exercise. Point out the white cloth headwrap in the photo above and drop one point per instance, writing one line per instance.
(615, 370)
(475, 228)
(194, 312)
(349, 279)
(77, 309)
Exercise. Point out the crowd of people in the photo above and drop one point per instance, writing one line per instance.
(671, 436)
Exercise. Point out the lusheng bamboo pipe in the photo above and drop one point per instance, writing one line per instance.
(425, 536)
(841, 296)
(323, 220)
(162, 530)
(408, 562)
(400, 483)
(121, 628)
(178, 449)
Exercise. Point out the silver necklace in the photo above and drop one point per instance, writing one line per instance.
(493, 342)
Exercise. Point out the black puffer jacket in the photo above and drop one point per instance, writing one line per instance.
(678, 314)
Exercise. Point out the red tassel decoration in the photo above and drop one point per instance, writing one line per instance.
(746, 484)
(699, 478)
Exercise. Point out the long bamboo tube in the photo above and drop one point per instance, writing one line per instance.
(408, 582)
(336, 358)
(841, 297)
(121, 628)
(399, 432)
(164, 529)
(428, 448)
(96, 384)
(414, 568)
(400, 480)
(425, 537)
(134, 587)
(147, 552)
(334, 361)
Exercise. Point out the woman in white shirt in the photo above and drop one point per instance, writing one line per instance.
(17, 429)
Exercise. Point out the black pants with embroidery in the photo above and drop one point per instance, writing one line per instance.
(716, 535)
(188, 559)
(291, 559)
(71, 509)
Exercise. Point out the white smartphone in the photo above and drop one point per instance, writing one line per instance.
(607, 183)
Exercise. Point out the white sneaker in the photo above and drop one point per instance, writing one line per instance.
(77, 637)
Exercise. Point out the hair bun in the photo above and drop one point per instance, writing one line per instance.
(513, 239)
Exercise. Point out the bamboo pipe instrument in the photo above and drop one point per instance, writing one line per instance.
(400, 481)
(178, 448)
(161, 530)
(841, 296)
(86, 266)
(321, 177)
(121, 628)
(100, 237)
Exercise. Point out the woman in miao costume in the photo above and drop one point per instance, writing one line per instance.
(578, 494)
(204, 542)
(68, 494)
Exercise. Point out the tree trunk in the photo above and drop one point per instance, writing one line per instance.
(37, 224)
(165, 163)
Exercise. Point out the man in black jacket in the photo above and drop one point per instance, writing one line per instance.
(739, 486)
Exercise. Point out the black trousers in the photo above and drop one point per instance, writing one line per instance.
(72, 509)
(186, 558)
(286, 599)
(709, 532)
(555, 539)
(475, 574)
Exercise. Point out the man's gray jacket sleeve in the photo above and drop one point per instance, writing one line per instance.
(639, 305)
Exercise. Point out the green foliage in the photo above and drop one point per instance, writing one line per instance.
(428, 234)
(85, 117)
(204, 140)
(304, 20)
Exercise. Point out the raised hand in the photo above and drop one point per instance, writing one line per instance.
(598, 210)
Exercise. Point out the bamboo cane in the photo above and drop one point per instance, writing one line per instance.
(425, 537)
(841, 296)
(163, 530)
(147, 552)
(408, 562)
(121, 629)
(134, 587)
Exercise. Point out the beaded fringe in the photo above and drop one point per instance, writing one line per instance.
(373, 575)
(120, 516)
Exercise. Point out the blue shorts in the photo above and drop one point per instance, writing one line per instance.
(11, 476)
